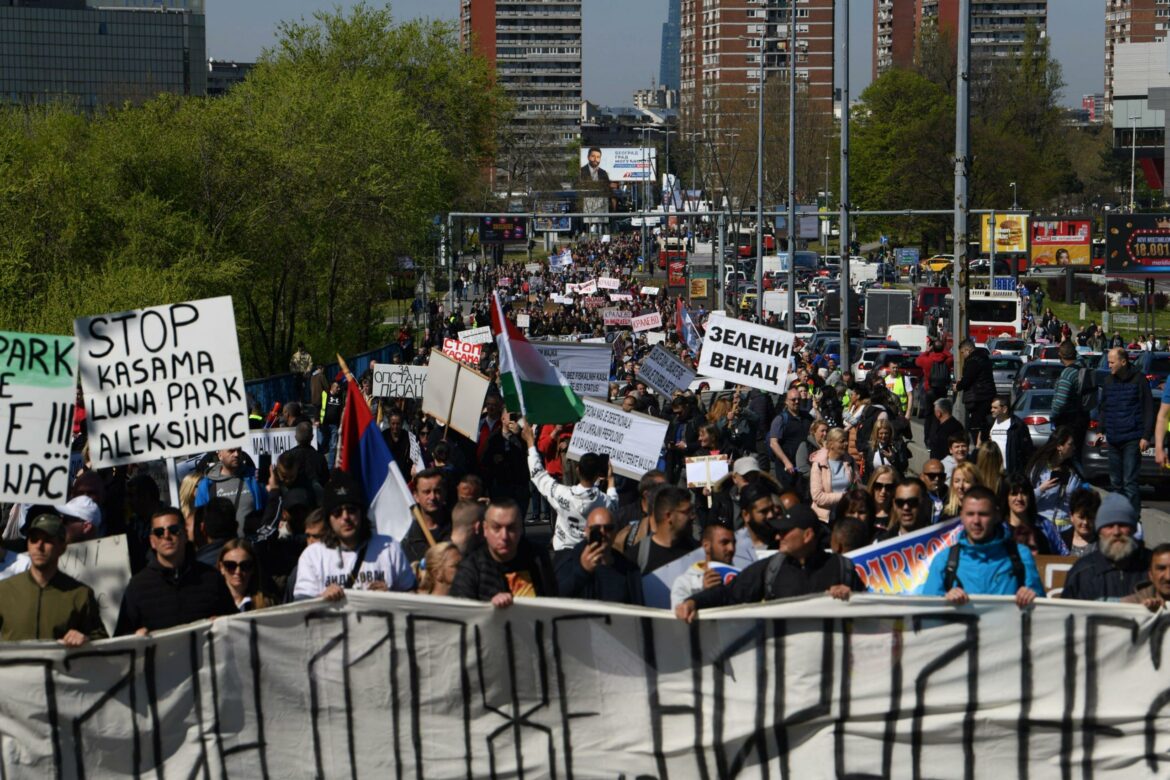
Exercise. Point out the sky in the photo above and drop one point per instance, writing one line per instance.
(623, 38)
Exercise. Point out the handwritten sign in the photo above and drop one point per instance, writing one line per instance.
(651, 321)
(399, 381)
(162, 382)
(615, 317)
(608, 283)
(523, 320)
(476, 335)
(466, 353)
(664, 372)
(104, 565)
(632, 441)
(37, 379)
(587, 288)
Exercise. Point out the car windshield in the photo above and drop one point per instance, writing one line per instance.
(1036, 402)
(1160, 365)
(1048, 372)
(1004, 364)
(1009, 345)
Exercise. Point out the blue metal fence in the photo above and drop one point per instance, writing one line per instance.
(282, 388)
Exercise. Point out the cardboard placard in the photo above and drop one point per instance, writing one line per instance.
(632, 441)
(705, 470)
(104, 565)
(454, 393)
(748, 354)
(467, 353)
(523, 320)
(664, 372)
(608, 283)
(399, 381)
(476, 335)
(650, 321)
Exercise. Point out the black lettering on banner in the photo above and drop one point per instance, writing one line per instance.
(413, 652)
(781, 721)
(51, 714)
(970, 647)
(1027, 683)
(844, 695)
(1090, 726)
(563, 689)
(650, 656)
(517, 719)
(197, 696)
(894, 711)
(315, 661)
(1157, 637)
(756, 638)
(395, 714)
(125, 681)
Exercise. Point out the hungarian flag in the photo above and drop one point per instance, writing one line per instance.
(531, 385)
(362, 453)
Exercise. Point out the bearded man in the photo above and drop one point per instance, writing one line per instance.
(1120, 563)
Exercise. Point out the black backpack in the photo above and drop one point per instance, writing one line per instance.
(940, 376)
(951, 576)
(1087, 389)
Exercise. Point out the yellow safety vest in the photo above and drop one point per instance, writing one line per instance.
(897, 386)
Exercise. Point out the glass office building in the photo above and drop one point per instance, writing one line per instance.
(124, 50)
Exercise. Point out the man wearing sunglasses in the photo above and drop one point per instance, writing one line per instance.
(174, 589)
(593, 571)
(911, 508)
(934, 476)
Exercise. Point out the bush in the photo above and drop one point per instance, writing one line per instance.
(1161, 299)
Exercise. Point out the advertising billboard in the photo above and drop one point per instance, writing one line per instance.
(618, 164)
(1011, 233)
(1137, 243)
(548, 224)
(499, 229)
(1058, 241)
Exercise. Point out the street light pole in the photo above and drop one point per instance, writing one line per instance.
(962, 150)
(844, 226)
(1132, 161)
(760, 175)
(791, 164)
(1015, 203)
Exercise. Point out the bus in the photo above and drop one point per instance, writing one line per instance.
(745, 241)
(992, 313)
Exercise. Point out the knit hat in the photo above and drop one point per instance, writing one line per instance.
(1116, 510)
(342, 490)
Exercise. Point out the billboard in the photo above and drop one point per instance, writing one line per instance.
(1011, 233)
(1061, 241)
(618, 164)
(499, 229)
(808, 221)
(1137, 243)
(547, 224)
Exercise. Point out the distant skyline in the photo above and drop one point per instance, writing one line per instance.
(622, 39)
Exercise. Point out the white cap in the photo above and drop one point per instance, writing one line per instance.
(82, 508)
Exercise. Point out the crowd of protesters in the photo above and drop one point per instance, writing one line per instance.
(814, 474)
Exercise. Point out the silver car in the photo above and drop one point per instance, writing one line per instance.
(1037, 375)
(1034, 407)
(1005, 368)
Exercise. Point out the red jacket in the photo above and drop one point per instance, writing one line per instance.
(927, 359)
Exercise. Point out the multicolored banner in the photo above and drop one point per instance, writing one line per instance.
(900, 565)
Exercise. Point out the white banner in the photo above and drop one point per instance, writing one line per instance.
(270, 441)
(38, 377)
(390, 685)
(665, 372)
(399, 381)
(650, 321)
(615, 317)
(620, 297)
(748, 354)
(649, 290)
(523, 320)
(476, 335)
(632, 441)
(608, 283)
(533, 268)
(587, 288)
(162, 382)
(585, 366)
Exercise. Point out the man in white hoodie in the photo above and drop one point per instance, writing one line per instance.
(718, 547)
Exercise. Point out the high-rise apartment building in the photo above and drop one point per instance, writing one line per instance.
(1131, 21)
(997, 28)
(535, 49)
(721, 57)
(100, 53)
(671, 30)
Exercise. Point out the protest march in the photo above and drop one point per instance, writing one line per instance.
(575, 526)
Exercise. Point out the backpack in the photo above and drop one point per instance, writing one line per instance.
(940, 376)
(1087, 388)
(951, 576)
(777, 560)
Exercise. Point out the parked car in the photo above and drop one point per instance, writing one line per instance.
(1006, 346)
(1156, 367)
(1037, 375)
(1005, 368)
(865, 363)
(1095, 459)
(904, 358)
(1034, 407)
(1043, 352)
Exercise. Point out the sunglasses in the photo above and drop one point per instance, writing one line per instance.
(906, 503)
(933, 474)
(173, 530)
(230, 567)
(883, 486)
(603, 527)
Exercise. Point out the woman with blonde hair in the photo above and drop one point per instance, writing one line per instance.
(989, 464)
(832, 472)
(187, 490)
(963, 478)
(437, 571)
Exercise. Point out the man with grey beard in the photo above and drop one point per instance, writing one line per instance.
(1120, 563)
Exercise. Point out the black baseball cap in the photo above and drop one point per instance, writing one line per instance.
(799, 516)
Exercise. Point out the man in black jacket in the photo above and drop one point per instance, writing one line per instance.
(505, 566)
(594, 571)
(800, 567)
(1012, 435)
(978, 388)
(174, 589)
(1118, 565)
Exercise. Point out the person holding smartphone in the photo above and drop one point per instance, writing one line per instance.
(593, 571)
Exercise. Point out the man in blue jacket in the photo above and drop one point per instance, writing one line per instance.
(1126, 419)
(985, 559)
(234, 480)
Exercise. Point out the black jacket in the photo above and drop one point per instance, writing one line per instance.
(820, 572)
(1019, 446)
(481, 577)
(1096, 578)
(159, 598)
(619, 582)
(978, 381)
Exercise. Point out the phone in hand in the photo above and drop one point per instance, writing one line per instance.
(596, 535)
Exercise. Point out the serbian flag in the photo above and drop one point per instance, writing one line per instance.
(531, 385)
(685, 326)
(362, 453)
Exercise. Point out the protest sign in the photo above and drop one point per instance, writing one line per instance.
(399, 381)
(813, 687)
(608, 283)
(632, 441)
(615, 317)
(505, 281)
(1053, 572)
(584, 366)
(476, 335)
(664, 372)
(655, 337)
(706, 470)
(104, 565)
(271, 442)
(37, 392)
(162, 382)
(900, 565)
(564, 300)
(747, 354)
(587, 288)
(616, 297)
(648, 290)
(594, 302)
(649, 321)
(467, 353)
(533, 268)
(454, 393)
(523, 320)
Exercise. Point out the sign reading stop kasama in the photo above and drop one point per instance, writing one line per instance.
(462, 351)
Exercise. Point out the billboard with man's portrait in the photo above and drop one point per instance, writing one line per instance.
(618, 164)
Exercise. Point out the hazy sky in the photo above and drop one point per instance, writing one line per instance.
(623, 38)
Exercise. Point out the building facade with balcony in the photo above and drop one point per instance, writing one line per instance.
(1126, 22)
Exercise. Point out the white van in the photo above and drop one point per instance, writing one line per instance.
(908, 336)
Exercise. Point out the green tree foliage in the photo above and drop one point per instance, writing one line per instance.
(296, 193)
